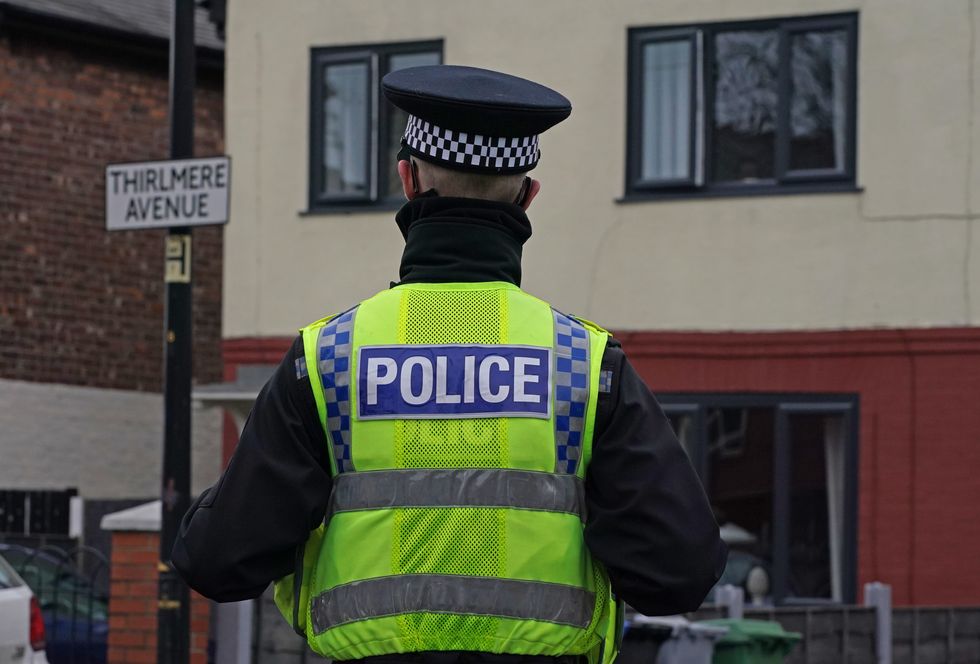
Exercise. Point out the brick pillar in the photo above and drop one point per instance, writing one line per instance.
(133, 600)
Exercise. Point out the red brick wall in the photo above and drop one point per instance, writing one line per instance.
(79, 305)
(133, 603)
(236, 352)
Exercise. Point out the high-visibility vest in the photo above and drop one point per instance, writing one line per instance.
(460, 422)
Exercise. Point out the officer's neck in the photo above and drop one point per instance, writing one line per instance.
(461, 240)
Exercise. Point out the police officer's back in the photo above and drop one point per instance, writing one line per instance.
(453, 466)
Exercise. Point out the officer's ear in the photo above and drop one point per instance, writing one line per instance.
(408, 178)
(532, 191)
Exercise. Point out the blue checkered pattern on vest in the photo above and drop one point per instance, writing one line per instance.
(333, 352)
(571, 390)
(605, 381)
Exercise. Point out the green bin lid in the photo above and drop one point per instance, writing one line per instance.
(745, 631)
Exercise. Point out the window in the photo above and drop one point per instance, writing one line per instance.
(751, 107)
(781, 474)
(355, 133)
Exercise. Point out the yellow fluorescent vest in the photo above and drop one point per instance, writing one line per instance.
(460, 420)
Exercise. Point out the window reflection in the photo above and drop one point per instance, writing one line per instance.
(746, 105)
(345, 136)
(817, 506)
(739, 483)
(683, 426)
(818, 105)
(667, 113)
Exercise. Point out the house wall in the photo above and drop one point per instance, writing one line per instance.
(901, 253)
(872, 292)
(81, 310)
(79, 305)
(106, 443)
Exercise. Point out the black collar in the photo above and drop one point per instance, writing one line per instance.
(461, 240)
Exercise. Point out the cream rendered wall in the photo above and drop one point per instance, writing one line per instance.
(904, 252)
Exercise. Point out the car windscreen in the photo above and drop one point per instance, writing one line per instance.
(8, 579)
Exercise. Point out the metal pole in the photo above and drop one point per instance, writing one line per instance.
(173, 613)
(879, 596)
(733, 599)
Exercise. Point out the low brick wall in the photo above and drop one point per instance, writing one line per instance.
(133, 603)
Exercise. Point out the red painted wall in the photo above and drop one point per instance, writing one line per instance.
(919, 476)
(919, 517)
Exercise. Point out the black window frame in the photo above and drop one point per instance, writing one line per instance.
(376, 57)
(785, 405)
(700, 181)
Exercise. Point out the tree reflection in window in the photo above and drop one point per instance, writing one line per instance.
(818, 109)
(746, 105)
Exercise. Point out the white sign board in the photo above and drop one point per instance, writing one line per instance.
(161, 194)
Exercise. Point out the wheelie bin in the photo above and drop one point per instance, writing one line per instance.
(752, 642)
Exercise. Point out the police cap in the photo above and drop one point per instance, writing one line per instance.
(472, 119)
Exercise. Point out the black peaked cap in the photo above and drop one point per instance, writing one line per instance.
(475, 100)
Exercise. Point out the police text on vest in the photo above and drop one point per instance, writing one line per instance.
(452, 381)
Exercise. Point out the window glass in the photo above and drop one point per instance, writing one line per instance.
(355, 131)
(345, 135)
(397, 118)
(666, 111)
(754, 107)
(780, 478)
(739, 484)
(683, 426)
(818, 109)
(746, 102)
(816, 529)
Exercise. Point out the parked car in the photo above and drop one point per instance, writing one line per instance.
(21, 624)
(75, 613)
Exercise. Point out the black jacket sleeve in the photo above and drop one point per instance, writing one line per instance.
(649, 521)
(243, 532)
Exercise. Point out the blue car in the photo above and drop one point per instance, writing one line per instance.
(75, 613)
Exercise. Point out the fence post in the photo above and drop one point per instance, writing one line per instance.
(879, 596)
(733, 599)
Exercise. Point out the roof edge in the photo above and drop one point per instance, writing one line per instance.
(93, 34)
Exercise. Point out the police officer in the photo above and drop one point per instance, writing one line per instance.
(452, 470)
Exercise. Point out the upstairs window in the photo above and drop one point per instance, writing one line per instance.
(355, 133)
(749, 107)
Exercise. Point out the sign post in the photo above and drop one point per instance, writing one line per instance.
(173, 608)
(176, 195)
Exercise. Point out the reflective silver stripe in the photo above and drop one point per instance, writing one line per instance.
(443, 593)
(458, 487)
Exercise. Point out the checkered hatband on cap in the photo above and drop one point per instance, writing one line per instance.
(471, 151)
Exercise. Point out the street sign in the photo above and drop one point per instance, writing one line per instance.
(167, 194)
